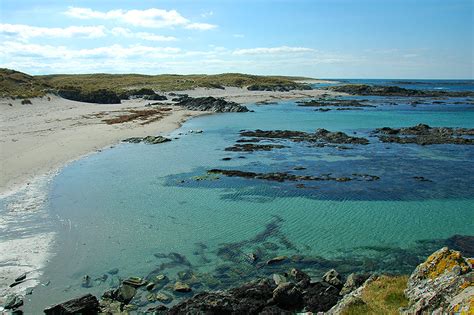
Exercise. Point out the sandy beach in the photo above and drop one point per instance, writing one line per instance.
(41, 137)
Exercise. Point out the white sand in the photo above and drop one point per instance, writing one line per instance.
(39, 138)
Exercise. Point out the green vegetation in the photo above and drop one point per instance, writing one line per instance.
(21, 85)
(382, 296)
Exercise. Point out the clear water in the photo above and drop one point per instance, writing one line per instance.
(119, 208)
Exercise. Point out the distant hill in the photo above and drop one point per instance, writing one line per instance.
(20, 85)
(17, 84)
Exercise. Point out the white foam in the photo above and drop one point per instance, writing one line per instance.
(26, 235)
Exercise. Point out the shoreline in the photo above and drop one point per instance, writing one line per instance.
(41, 139)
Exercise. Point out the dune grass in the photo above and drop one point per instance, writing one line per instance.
(20, 85)
(382, 296)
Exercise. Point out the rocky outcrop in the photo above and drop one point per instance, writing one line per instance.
(443, 284)
(265, 297)
(379, 90)
(145, 93)
(100, 96)
(425, 135)
(283, 177)
(87, 304)
(320, 136)
(251, 147)
(278, 87)
(218, 105)
(333, 103)
(147, 139)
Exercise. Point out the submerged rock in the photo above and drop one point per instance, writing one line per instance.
(147, 139)
(87, 304)
(181, 287)
(282, 177)
(276, 260)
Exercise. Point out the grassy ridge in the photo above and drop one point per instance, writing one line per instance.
(18, 84)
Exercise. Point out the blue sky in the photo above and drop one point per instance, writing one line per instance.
(316, 38)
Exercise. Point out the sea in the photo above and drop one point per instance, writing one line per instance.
(147, 210)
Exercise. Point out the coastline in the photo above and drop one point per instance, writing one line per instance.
(39, 140)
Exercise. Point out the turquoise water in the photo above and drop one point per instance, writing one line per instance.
(129, 206)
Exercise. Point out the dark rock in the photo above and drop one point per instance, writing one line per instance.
(276, 260)
(462, 243)
(147, 140)
(425, 135)
(250, 147)
(353, 282)
(282, 177)
(322, 104)
(100, 96)
(135, 282)
(278, 87)
(320, 297)
(321, 136)
(288, 296)
(86, 282)
(87, 304)
(301, 279)
(226, 159)
(379, 90)
(113, 271)
(13, 301)
(210, 103)
(21, 277)
(124, 293)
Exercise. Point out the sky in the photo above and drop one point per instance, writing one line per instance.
(430, 39)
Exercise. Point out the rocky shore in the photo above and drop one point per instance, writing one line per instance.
(379, 90)
(442, 284)
(425, 135)
(217, 105)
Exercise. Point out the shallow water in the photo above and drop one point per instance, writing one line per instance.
(129, 207)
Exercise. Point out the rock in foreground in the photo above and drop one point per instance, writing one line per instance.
(87, 304)
(443, 284)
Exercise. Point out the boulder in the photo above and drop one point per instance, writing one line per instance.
(13, 301)
(288, 296)
(276, 260)
(353, 282)
(320, 297)
(181, 287)
(124, 293)
(442, 284)
(334, 278)
(87, 304)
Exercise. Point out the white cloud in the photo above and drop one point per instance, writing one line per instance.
(153, 18)
(25, 32)
(207, 14)
(125, 32)
(238, 35)
(200, 26)
(16, 49)
(272, 50)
